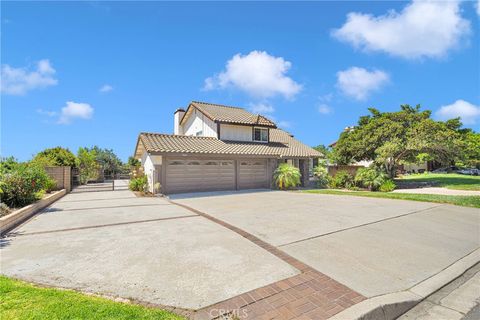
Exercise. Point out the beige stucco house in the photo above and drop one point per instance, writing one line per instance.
(217, 147)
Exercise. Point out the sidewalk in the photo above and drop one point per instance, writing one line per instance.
(440, 191)
(458, 300)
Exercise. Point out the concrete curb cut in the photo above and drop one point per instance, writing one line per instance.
(391, 306)
(17, 217)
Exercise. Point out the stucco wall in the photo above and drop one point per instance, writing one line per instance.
(199, 122)
(148, 163)
(235, 133)
(412, 167)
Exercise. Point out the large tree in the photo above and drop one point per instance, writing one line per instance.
(470, 147)
(88, 164)
(391, 138)
(109, 161)
(57, 156)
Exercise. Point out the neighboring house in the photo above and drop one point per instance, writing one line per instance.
(216, 147)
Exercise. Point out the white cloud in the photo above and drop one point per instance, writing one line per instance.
(258, 74)
(478, 7)
(106, 88)
(47, 112)
(326, 97)
(17, 81)
(74, 110)
(261, 108)
(359, 83)
(324, 109)
(468, 112)
(421, 29)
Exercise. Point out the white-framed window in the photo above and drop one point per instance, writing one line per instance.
(260, 134)
(199, 133)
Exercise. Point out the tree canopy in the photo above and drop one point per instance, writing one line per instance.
(109, 161)
(57, 156)
(393, 138)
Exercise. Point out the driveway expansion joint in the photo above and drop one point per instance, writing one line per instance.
(361, 225)
(308, 295)
(13, 234)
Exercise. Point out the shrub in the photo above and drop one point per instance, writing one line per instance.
(321, 173)
(57, 156)
(4, 209)
(286, 176)
(341, 180)
(21, 186)
(8, 164)
(139, 184)
(387, 186)
(369, 178)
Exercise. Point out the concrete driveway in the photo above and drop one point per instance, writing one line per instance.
(373, 246)
(147, 249)
(273, 254)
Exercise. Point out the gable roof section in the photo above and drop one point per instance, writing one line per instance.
(281, 144)
(227, 114)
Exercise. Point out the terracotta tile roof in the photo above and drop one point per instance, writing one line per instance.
(281, 144)
(227, 114)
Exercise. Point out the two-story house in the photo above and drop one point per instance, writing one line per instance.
(216, 147)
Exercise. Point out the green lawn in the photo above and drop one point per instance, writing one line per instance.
(447, 180)
(466, 201)
(21, 300)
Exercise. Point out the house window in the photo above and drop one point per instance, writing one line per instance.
(260, 134)
(199, 133)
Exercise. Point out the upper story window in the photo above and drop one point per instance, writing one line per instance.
(199, 133)
(260, 134)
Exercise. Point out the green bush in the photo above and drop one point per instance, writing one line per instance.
(369, 178)
(286, 176)
(24, 184)
(4, 209)
(139, 184)
(387, 186)
(57, 156)
(321, 173)
(8, 164)
(342, 180)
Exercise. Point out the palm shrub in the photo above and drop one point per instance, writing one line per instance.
(321, 173)
(387, 186)
(342, 180)
(139, 184)
(286, 176)
(369, 178)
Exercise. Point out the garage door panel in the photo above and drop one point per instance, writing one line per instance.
(253, 174)
(193, 175)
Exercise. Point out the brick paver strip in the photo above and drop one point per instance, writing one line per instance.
(308, 295)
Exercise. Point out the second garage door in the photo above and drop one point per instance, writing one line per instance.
(194, 175)
(252, 174)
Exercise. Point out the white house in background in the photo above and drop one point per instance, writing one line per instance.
(217, 147)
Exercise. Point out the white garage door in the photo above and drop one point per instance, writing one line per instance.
(253, 174)
(192, 175)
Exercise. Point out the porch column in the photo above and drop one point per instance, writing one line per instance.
(303, 164)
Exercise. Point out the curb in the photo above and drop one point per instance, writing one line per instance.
(392, 305)
(19, 216)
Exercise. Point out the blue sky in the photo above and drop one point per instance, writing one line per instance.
(98, 73)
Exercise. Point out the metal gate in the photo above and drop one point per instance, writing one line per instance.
(101, 183)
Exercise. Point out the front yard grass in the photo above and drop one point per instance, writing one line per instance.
(466, 201)
(446, 180)
(21, 300)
